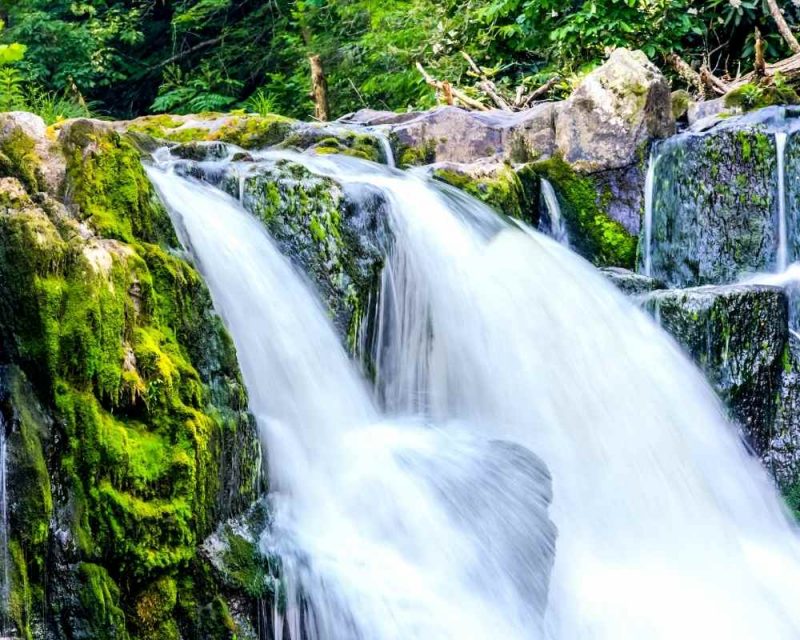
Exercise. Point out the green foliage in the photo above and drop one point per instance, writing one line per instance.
(134, 56)
(752, 96)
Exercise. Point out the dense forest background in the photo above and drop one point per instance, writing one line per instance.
(119, 59)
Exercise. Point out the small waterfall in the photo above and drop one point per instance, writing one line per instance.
(5, 557)
(388, 152)
(423, 516)
(556, 227)
(388, 527)
(782, 260)
(649, 186)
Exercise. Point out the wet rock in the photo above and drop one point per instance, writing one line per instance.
(614, 111)
(705, 110)
(782, 457)
(738, 335)
(629, 282)
(714, 206)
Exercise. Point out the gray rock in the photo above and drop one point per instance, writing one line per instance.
(614, 111)
(782, 458)
(738, 335)
(714, 206)
(452, 134)
(704, 110)
(629, 282)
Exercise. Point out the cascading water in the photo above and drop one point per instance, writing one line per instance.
(782, 258)
(5, 558)
(386, 530)
(666, 527)
(649, 186)
(555, 227)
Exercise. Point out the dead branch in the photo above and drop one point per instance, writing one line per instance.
(783, 27)
(540, 92)
(720, 87)
(446, 89)
(319, 89)
(485, 84)
(760, 67)
(685, 71)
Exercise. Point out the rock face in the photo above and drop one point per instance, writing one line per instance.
(337, 234)
(738, 335)
(714, 206)
(631, 283)
(616, 110)
(132, 438)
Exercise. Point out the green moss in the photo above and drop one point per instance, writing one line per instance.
(751, 96)
(417, 156)
(107, 183)
(18, 159)
(246, 567)
(253, 132)
(503, 191)
(120, 338)
(100, 599)
(592, 233)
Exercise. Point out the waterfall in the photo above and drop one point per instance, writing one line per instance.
(5, 557)
(422, 515)
(555, 227)
(782, 260)
(387, 528)
(649, 186)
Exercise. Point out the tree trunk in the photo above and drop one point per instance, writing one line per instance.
(783, 28)
(319, 89)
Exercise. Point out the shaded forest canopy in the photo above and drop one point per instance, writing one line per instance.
(126, 58)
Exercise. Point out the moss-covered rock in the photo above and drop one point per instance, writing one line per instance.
(155, 445)
(497, 184)
(592, 233)
(714, 206)
(738, 335)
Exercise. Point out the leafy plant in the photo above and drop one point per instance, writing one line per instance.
(207, 90)
(260, 102)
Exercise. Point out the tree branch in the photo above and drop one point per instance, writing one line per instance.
(189, 51)
(783, 27)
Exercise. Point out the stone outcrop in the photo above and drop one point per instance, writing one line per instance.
(739, 336)
(123, 404)
(615, 111)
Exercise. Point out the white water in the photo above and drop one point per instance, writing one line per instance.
(666, 527)
(557, 227)
(5, 559)
(782, 260)
(649, 186)
(390, 530)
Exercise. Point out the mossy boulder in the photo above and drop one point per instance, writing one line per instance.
(335, 233)
(738, 335)
(715, 210)
(584, 205)
(497, 184)
(152, 442)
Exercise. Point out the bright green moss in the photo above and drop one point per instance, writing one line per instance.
(18, 159)
(100, 597)
(503, 191)
(120, 338)
(107, 183)
(253, 132)
(751, 96)
(417, 156)
(592, 233)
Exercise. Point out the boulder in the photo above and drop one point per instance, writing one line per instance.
(715, 210)
(614, 112)
(738, 335)
(452, 134)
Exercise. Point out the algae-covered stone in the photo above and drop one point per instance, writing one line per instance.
(592, 232)
(498, 184)
(738, 335)
(613, 112)
(152, 440)
(714, 206)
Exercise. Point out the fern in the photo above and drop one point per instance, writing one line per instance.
(12, 94)
(260, 103)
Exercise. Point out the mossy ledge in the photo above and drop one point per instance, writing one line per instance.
(133, 437)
